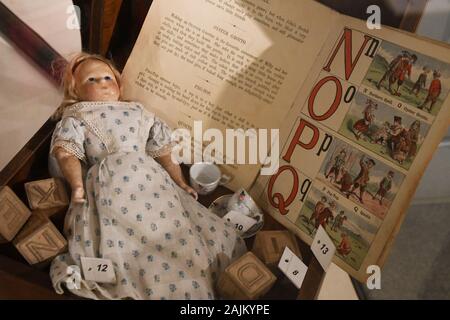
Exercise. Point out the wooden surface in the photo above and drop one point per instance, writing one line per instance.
(102, 19)
(312, 282)
(20, 281)
(111, 12)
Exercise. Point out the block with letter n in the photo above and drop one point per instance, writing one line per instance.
(39, 240)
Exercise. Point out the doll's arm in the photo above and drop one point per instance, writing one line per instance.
(175, 173)
(71, 169)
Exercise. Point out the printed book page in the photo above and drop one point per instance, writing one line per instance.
(361, 132)
(230, 64)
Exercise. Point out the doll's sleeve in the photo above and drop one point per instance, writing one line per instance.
(159, 142)
(69, 135)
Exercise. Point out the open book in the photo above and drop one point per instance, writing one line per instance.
(360, 111)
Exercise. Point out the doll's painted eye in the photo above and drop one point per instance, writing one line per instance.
(91, 79)
(108, 78)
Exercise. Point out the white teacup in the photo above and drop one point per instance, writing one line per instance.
(205, 177)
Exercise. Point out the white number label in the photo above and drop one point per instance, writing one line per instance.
(323, 248)
(98, 270)
(292, 267)
(240, 221)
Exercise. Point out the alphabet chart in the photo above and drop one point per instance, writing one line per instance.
(351, 142)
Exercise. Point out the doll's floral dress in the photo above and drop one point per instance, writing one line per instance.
(162, 243)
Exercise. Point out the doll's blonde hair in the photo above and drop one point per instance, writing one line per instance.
(68, 80)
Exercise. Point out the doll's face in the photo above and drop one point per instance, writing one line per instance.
(95, 81)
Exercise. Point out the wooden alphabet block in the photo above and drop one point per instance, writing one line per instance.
(245, 279)
(39, 240)
(269, 246)
(45, 194)
(52, 212)
(13, 214)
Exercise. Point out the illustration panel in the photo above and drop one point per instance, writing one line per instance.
(350, 232)
(366, 181)
(416, 79)
(384, 130)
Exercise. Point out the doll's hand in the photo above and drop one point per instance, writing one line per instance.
(78, 195)
(191, 191)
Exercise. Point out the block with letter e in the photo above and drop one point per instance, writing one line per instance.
(245, 279)
(39, 240)
(45, 194)
(13, 214)
(269, 246)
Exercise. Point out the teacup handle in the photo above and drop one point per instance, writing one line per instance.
(224, 179)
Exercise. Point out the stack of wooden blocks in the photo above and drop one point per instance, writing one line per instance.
(31, 231)
(253, 275)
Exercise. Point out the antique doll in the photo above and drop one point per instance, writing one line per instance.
(131, 204)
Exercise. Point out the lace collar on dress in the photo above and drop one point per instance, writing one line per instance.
(85, 105)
